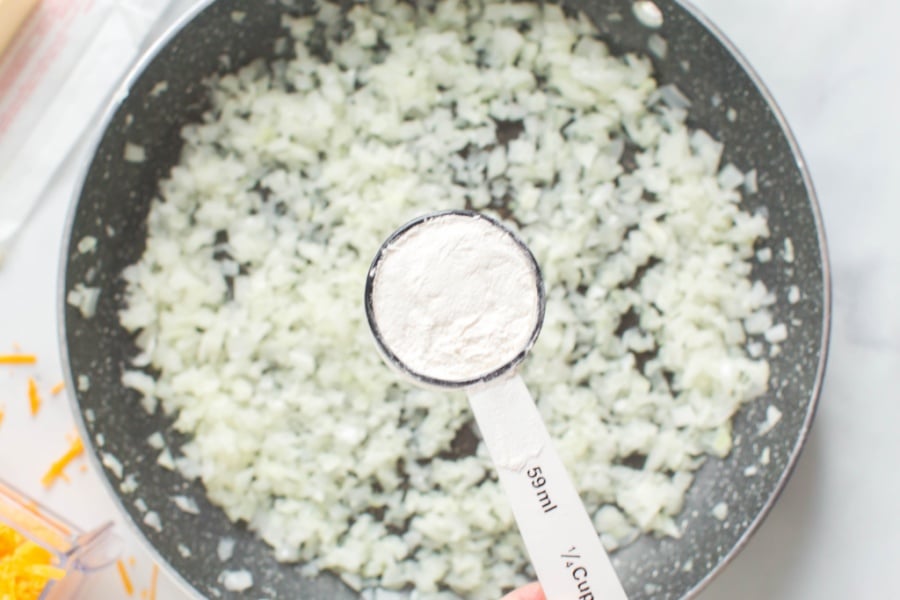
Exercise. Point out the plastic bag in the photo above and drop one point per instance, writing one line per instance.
(55, 78)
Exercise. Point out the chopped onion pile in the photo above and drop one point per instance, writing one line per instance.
(248, 298)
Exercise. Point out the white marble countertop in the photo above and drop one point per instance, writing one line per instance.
(835, 533)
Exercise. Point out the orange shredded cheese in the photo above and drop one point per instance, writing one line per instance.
(2, 414)
(53, 535)
(126, 580)
(25, 567)
(132, 561)
(17, 359)
(56, 389)
(153, 577)
(57, 469)
(34, 399)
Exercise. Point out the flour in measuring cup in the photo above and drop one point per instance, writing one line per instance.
(455, 298)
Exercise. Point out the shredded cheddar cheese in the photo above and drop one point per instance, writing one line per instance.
(56, 389)
(17, 359)
(57, 469)
(25, 567)
(34, 399)
(154, 576)
(126, 580)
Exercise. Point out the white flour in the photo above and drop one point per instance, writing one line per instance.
(455, 298)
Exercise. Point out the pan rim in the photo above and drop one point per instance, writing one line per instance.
(122, 92)
(812, 198)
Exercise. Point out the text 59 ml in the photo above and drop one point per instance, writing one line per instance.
(539, 483)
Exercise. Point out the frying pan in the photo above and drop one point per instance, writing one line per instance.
(115, 197)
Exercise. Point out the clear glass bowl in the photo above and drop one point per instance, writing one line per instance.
(80, 554)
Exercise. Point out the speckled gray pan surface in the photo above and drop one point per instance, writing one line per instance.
(115, 198)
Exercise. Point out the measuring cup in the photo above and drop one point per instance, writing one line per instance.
(78, 553)
(561, 540)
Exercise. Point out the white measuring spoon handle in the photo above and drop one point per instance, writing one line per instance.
(560, 537)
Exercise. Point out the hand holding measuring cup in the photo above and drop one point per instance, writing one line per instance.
(455, 301)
